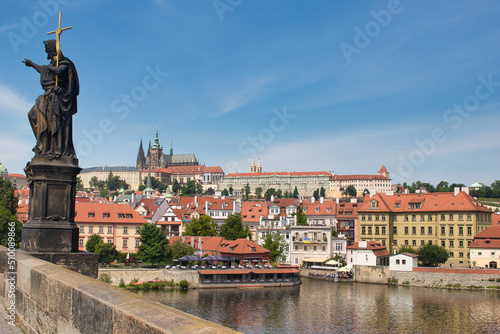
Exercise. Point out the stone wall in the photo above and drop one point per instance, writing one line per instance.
(371, 274)
(144, 275)
(447, 278)
(52, 299)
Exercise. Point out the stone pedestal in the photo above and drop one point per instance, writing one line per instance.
(81, 262)
(51, 226)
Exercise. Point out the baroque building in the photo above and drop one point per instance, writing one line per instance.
(158, 159)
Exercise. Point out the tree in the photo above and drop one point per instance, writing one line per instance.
(287, 194)
(300, 217)
(225, 192)
(407, 249)
(198, 189)
(432, 255)
(189, 189)
(210, 191)
(442, 186)
(7, 198)
(316, 194)
(230, 190)
(179, 249)
(107, 252)
(276, 244)
(279, 194)
(153, 248)
(258, 192)
(92, 243)
(247, 191)
(176, 187)
(202, 227)
(322, 192)
(350, 191)
(103, 193)
(233, 228)
(295, 193)
(79, 184)
(269, 192)
(94, 182)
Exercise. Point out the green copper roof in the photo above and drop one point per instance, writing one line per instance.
(3, 169)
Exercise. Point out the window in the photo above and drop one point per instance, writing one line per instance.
(479, 253)
(469, 216)
(315, 248)
(422, 218)
(82, 229)
(305, 247)
(443, 216)
(396, 205)
(395, 218)
(363, 217)
(414, 242)
(137, 243)
(363, 230)
(91, 229)
(443, 243)
(105, 215)
(429, 218)
(121, 215)
(80, 242)
(406, 242)
(429, 230)
(430, 242)
(469, 230)
(125, 243)
(296, 260)
(460, 217)
(406, 218)
(394, 230)
(443, 230)
(422, 242)
(369, 230)
(110, 229)
(296, 247)
(125, 229)
(403, 261)
(383, 217)
(460, 243)
(422, 230)
(137, 230)
(369, 217)
(323, 248)
(460, 254)
(394, 242)
(451, 216)
(451, 254)
(377, 230)
(397, 261)
(451, 230)
(383, 229)
(377, 217)
(109, 241)
(451, 244)
(101, 229)
(414, 230)
(128, 216)
(460, 230)
(406, 229)
(413, 218)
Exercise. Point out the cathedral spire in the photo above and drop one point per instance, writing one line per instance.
(156, 144)
(141, 159)
(171, 147)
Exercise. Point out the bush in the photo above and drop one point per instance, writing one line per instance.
(122, 283)
(105, 278)
(183, 284)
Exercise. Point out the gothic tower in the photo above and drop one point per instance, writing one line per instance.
(141, 158)
(252, 166)
(259, 167)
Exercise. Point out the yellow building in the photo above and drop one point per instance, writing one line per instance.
(450, 220)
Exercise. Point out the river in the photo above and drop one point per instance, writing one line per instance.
(327, 307)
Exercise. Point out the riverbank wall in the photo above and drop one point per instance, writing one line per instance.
(144, 275)
(46, 298)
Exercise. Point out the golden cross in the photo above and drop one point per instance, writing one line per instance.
(58, 32)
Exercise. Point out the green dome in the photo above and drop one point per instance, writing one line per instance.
(3, 169)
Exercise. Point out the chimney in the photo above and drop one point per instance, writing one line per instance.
(337, 200)
(196, 200)
(456, 191)
(465, 190)
(312, 199)
(373, 192)
(321, 199)
(272, 198)
(199, 243)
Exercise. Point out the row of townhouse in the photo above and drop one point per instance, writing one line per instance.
(451, 220)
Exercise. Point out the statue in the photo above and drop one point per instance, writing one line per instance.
(51, 116)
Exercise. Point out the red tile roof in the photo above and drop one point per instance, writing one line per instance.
(252, 211)
(318, 209)
(82, 211)
(150, 205)
(430, 202)
(208, 244)
(489, 238)
(17, 176)
(241, 247)
(383, 170)
(374, 246)
(348, 210)
(357, 177)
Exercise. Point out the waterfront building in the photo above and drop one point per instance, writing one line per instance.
(320, 213)
(367, 253)
(243, 250)
(379, 182)
(485, 249)
(118, 224)
(447, 219)
(312, 244)
(403, 261)
(171, 222)
(347, 220)
(252, 214)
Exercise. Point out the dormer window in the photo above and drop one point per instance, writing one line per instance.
(128, 216)
(121, 216)
(374, 204)
(91, 214)
(252, 249)
(105, 215)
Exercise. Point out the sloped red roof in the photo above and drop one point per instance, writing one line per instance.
(383, 170)
(348, 210)
(252, 211)
(82, 211)
(357, 177)
(318, 209)
(278, 173)
(489, 238)
(240, 247)
(207, 243)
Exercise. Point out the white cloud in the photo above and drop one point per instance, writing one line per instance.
(12, 103)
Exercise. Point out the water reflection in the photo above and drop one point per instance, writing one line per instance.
(326, 307)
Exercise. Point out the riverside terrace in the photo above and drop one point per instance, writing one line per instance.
(237, 277)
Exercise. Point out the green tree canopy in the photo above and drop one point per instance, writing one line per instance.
(107, 252)
(9, 224)
(432, 255)
(179, 248)
(210, 191)
(191, 189)
(258, 192)
(295, 193)
(322, 192)
(233, 228)
(7, 198)
(153, 248)
(276, 244)
(176, 187)
(300, 217)
(279, 193)
(224, 192)
(407, 249)
(247, 191)
(269, 192)
(350, 191)
(92, 243)
(202, 227)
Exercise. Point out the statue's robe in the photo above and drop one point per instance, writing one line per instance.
(51, 116)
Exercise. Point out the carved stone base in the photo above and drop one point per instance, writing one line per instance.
(51, 226)
(81, 262)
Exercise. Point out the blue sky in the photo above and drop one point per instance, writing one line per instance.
(303, 85)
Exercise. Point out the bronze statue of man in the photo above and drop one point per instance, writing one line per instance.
(51, 116)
